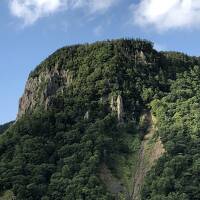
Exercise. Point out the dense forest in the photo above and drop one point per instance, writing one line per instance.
(177, 174)
(4, 127)
(81, 110)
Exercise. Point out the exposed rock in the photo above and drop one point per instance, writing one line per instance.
(39, 89)
(47, 103)
(68, 76)
(116, 105)
(140, 57)
(120, 108)
(150, 151)
(52, 85)
(112, 104)
(86, 117)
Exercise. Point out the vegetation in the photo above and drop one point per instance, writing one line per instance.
(176, 175)
(4, 127)
(56, 153)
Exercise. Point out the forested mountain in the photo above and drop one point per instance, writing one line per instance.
(5, 126)
(110, 120)
(177, 174)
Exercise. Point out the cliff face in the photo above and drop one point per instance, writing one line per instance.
(80, 126)
(40, 89)
(57, 72)
(116, 105)
(106, 67)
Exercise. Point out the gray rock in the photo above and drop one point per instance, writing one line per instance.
(120, 109)
(87, 115)
(116, 105)
(40, 89)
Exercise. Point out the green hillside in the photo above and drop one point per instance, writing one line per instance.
(176, 175)
(5, 126)
(81, 122)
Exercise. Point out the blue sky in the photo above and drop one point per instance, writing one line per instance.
(30, 30)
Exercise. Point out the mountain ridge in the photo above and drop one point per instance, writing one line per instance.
(82, 108)
(54, 70)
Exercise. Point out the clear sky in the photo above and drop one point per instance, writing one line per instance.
(30, 30)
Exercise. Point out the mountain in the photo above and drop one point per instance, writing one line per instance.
(5, 126)
(109, 120)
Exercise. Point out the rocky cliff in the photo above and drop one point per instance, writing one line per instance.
(40, 89)
(78, 133)
(53, 76)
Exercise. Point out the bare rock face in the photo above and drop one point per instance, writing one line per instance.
(120, 108)
(140, 57)
(87, 115)
(116, 105)
(40, 89)
(112, 104)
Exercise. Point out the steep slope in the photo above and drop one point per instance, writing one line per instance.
(94, 71)
(5, 126)
(150, 151)
(79, 118)
(176, 175)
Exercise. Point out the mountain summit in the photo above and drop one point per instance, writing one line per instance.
(109, 120)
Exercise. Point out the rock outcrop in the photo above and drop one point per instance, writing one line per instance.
(87, 115)
(112, 104)
(140, 57)
(116, 105)
(151, 150)
(120, 109)
(40, 89)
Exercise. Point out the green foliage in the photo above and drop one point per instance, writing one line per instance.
(41, 160)
(4, 127)
(176, 175)
(55, 154)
